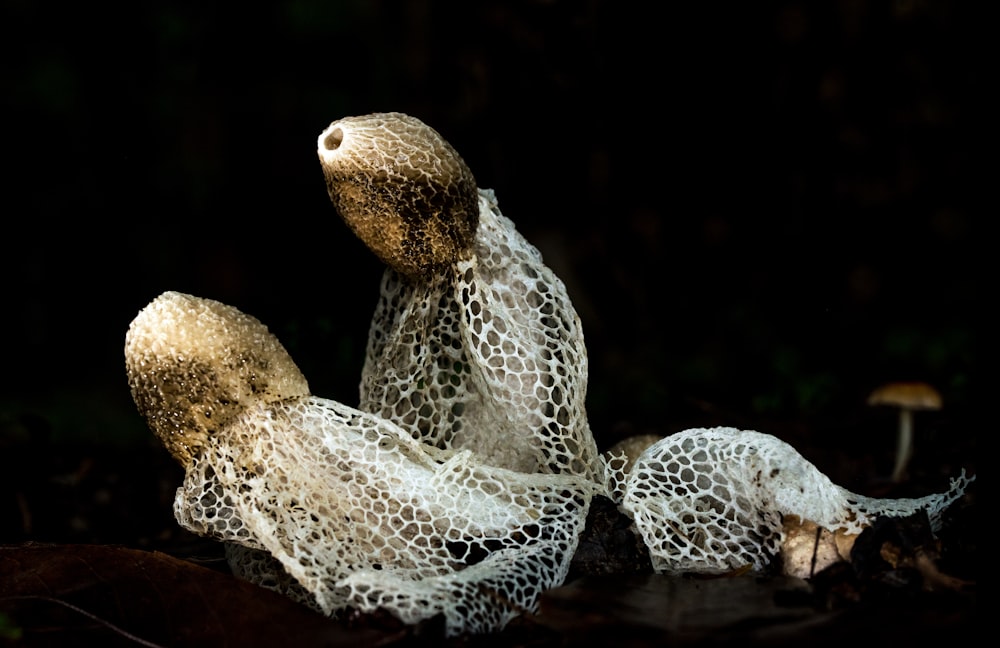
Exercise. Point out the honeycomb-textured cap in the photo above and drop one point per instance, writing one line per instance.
(194, 364)
(402, 188)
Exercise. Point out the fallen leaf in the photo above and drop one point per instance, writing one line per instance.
(101, 595)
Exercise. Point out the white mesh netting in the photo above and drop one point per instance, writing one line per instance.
(489, 356)
(712, 500)
(359, 514)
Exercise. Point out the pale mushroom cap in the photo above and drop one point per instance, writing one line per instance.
(402, 188)
(909, 395)
(194, 364)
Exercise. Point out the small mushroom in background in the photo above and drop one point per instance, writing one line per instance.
(908, 397)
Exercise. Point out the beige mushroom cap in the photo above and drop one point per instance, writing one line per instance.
(403, 190)
(909, 395)
(195, 364)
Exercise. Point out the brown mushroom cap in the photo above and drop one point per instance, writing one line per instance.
(402, 189)
(194, 365)
(908, 395)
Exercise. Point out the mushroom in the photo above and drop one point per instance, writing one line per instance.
(402, 189)
(195, 365)
(907, 397)
(474, 343)
(333, 506)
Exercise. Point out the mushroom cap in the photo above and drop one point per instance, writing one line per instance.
(908, 395)
(403, 190)
(195, 364)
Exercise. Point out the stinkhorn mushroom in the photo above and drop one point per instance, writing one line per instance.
(461, 482)
(475, 343)
(331, 505)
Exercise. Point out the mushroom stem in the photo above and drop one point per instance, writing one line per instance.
(904, 443)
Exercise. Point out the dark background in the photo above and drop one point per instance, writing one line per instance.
(761, 211)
